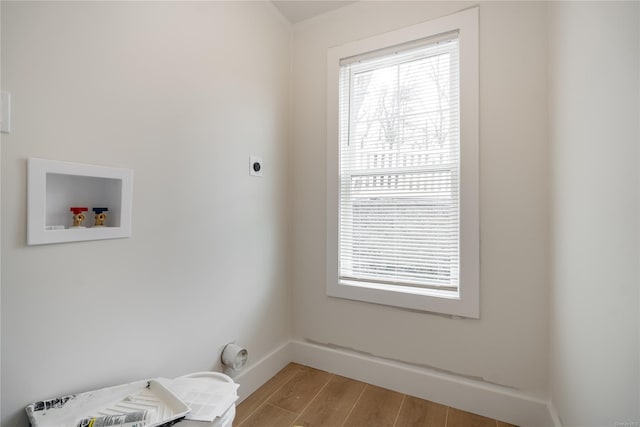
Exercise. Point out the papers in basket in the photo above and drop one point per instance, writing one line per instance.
(208, 399)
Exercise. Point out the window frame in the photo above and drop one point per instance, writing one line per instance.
(465, 302)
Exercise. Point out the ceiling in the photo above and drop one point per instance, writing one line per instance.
(299, 10)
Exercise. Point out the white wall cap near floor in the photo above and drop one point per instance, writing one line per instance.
(261, 371)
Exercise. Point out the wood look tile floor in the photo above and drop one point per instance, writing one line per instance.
(299, 396)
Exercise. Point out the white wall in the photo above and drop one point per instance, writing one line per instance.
(509, 344)
(182, 93)
(1, 140)
(594, 91)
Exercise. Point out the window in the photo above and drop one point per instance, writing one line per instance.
(402, 168)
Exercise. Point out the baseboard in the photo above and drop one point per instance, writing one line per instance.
(554, 414)
(261, 371)
(474, 396)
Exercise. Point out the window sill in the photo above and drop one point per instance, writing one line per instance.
(427, 300)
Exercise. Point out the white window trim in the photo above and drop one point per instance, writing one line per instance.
(466, 302)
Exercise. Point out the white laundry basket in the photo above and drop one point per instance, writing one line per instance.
(226, 419)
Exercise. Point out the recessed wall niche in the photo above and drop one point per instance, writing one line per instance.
(54, 187)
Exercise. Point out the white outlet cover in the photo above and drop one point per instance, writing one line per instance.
(253, 160)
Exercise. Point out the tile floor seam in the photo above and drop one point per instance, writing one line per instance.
(265, 401)
(250, 414)
(404, 396)
(354, 405)
(280, 407)
(446, 418)
(313, 398)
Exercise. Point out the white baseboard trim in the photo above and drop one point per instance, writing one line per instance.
(470, 395)
(554, 414)
(490, 400)
(261, 371)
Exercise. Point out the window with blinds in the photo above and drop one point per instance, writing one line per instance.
(403, 198)
(399, 166)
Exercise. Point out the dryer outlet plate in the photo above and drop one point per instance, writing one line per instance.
(255, 166)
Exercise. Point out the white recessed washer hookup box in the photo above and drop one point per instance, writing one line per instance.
(101, 195)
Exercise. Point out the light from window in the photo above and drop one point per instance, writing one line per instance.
(399, 167)
(402, 167)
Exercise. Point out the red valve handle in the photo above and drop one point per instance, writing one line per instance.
(76, 211)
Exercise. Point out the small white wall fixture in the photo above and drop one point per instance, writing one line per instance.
(54, 187)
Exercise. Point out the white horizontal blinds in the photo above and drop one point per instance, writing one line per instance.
(399, 166)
